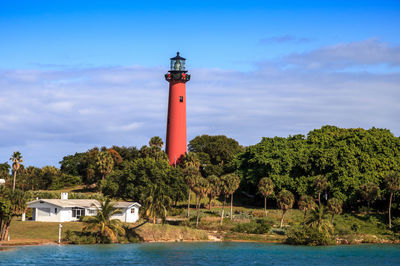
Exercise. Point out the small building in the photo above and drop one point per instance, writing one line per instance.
(2, 182)
(69, 210)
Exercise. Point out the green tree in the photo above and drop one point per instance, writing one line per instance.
(127, 153)
(133, 180)
(334, 207)
(191, 159)
(12, 203)
(157, 202)
(393, 185)
(34, 178)
(72, 164)
(89, 166)
(4, 171)
(306, 203)
(47, 175)
(285, 201)
(321, 184)
(266, 188)
(369, 192)
(104, 164)
(16, 159)
(216, 152)
(102, 225)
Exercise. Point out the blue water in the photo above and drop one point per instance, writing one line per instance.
(224, 253)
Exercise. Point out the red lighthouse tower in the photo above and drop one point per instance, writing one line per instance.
(176, 145)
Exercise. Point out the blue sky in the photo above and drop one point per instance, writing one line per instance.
(78, 74)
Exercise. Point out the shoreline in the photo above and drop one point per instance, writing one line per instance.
(10, 246)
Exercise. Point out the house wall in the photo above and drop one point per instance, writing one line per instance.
(126, 215)
(132, 217)
(62, 215)
(45, 212)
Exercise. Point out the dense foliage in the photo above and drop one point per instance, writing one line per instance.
(348, 158)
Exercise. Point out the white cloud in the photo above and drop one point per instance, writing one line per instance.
(55, 113)
(366, 52)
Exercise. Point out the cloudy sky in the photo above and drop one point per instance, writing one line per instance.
(79, 74)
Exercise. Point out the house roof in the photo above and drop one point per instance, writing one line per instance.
(83, 203)
(125, 204)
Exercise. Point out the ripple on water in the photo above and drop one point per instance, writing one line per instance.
(222, 253)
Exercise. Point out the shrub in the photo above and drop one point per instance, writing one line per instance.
(308, 236)
(32, 195)
(79, 237)
(177, 212)
(258, 226)
(396, 225)
(355, 227)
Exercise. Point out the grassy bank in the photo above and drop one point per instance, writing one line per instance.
(31, 233)
(158, 232)
(348, 228)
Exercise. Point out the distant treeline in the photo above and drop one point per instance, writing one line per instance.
(352, 160)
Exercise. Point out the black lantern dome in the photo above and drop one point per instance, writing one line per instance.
(177, 72)
(178, 64)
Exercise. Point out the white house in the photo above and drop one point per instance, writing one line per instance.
(68, 210)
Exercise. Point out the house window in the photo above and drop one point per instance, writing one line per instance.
(133, 210)
(181, 99)
(55, 210)
(92, 212)
(78, 212)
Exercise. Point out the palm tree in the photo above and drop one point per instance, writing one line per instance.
(317, 220)
(266, 188)
(393, 185)
(201, 188)
(104, 163)
(285, 202)
(156, 142)
(224, 192)
(334, 207)
(232, 182)
(214, 189)
(191, 160)
(306, 203)
(321, 184)
(102, 224)
(190, 173)
(157, 203)
(16, 159)
(115, 155)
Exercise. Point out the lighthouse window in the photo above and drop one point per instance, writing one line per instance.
(181, 99)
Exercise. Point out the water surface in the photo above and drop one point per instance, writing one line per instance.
(225, 253)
